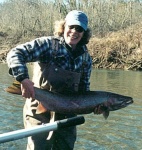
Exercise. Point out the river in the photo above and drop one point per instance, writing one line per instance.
(121, 131)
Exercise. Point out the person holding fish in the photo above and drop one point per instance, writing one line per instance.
(63, 65)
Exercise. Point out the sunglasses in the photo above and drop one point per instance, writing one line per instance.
(77, 28)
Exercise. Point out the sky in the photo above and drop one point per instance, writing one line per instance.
(2, 1)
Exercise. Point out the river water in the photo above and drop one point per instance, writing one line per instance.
(121, 131)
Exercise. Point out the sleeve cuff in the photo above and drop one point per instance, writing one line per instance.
(20, 78)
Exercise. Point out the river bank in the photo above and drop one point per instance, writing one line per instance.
(117, 50)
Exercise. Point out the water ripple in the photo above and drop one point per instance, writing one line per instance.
(121, 131)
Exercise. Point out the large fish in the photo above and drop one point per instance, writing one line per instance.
(78, 103)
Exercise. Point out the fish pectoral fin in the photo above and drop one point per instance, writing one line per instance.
(98, 110)
(105, 114)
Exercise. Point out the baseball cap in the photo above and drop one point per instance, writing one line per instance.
(76, 17)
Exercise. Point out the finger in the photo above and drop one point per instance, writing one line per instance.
(26, 93)
(32, 92)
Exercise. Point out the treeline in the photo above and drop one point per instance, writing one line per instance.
(31, 16)
(116, 27)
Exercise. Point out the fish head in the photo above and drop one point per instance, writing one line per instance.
(114, 102)
(117, 101)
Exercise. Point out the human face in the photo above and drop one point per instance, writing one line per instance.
(73, 34)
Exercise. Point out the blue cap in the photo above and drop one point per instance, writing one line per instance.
(76, 17)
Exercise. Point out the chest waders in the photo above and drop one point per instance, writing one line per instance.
(57, 79)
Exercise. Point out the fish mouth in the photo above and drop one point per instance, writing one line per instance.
(129, 102)
(121, 105)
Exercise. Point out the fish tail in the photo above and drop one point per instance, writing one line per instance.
(15, 88)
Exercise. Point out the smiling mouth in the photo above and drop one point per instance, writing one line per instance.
(73, 37)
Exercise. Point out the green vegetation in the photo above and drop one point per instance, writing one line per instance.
(116, 27)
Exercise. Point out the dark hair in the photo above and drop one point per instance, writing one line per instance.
(59, 31)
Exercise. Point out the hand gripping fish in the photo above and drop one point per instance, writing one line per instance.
(77, 103)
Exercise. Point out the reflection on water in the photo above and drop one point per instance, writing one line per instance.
(122, 129)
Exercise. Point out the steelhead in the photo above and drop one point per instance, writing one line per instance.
(79, 103)
(82, 103)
